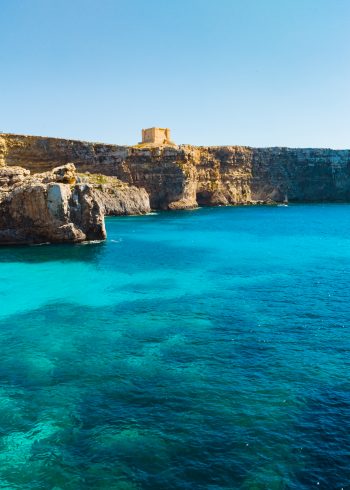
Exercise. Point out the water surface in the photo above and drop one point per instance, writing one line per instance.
(192, 350)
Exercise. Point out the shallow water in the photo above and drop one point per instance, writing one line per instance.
(192, 350)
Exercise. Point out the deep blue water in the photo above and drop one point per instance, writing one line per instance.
(192, 350)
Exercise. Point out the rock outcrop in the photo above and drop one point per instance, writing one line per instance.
(186, 176)
(115, 197)
(48, 207)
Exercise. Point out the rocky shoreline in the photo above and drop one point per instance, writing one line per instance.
(124, 180)
(61, 207)
(180, 177)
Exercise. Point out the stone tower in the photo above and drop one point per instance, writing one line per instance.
(156, 136)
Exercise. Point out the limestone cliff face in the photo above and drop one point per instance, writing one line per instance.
(48, 207)
(304, 175)
(184, 176)
(115, 197)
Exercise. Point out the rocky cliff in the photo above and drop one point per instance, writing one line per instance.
(184, 176)
(115, 197)
(48, 207)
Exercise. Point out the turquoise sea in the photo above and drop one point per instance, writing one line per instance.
(205, 349)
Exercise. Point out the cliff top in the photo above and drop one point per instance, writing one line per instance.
(143, 146)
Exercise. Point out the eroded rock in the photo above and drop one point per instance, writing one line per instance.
(48, 208)
(180, 177)
(117, 198)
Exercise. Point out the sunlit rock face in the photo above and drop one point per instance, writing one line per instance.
(115, 197)
(180, 177)
(48, 207)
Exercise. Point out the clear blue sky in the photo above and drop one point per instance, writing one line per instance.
(246, 72)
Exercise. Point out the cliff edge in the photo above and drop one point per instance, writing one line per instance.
(185, 176)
